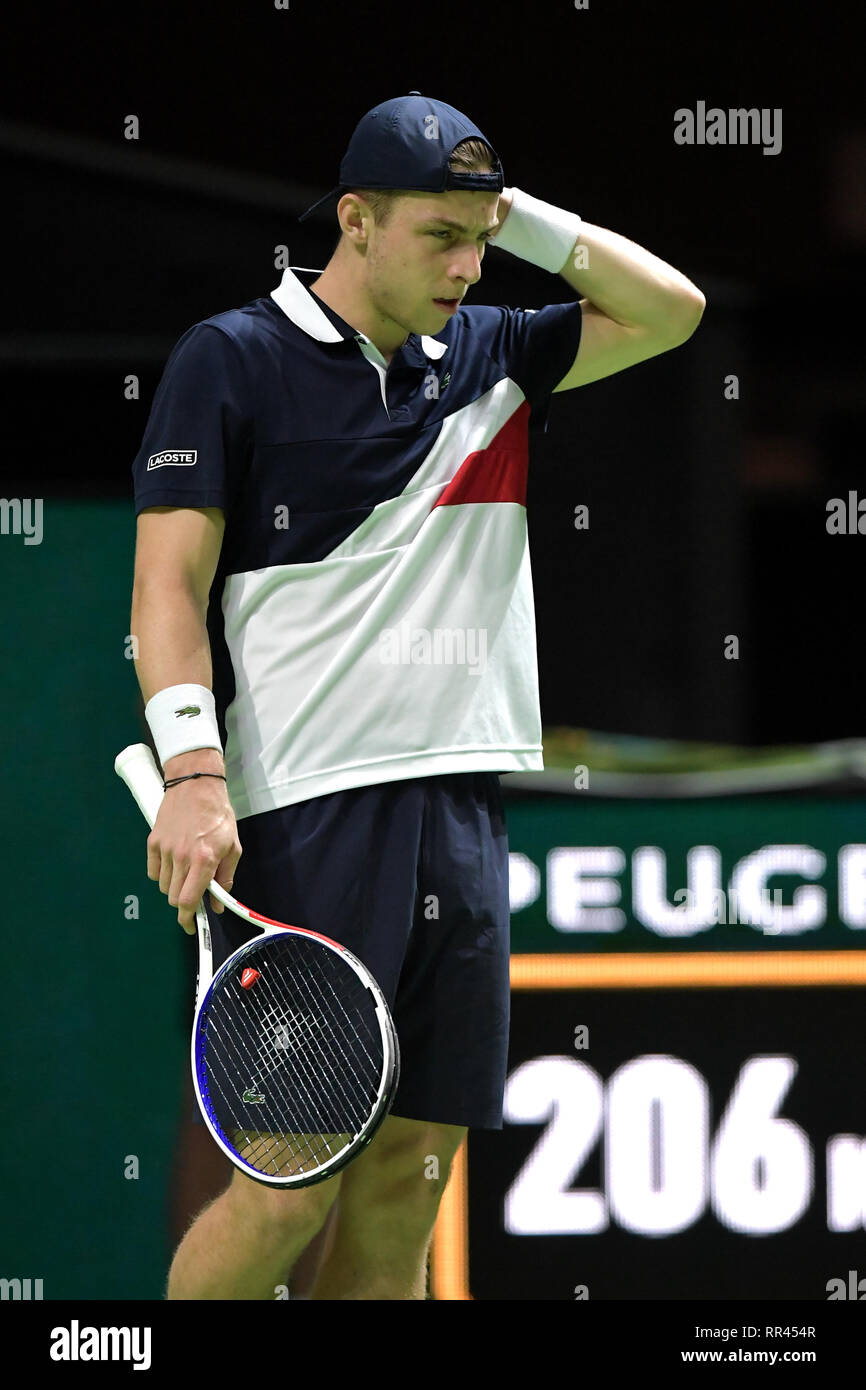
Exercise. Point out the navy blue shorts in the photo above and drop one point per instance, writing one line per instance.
(412, 876)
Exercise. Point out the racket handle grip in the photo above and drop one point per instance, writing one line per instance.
(137, 768)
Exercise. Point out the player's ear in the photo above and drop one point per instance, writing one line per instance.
(355, 217)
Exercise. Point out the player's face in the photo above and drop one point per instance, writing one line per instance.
(417, 259)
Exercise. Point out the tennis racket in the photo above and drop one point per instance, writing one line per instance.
(295, 1059)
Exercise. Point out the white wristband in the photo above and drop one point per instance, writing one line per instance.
(181, 719)
(538, 232)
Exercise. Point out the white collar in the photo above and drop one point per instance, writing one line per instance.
(292, 296)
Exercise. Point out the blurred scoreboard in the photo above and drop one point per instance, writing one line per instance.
(685, 1108)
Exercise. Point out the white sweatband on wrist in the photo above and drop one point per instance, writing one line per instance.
(181, 719)
(538, 232)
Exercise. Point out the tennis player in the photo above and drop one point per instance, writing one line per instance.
(334, 612)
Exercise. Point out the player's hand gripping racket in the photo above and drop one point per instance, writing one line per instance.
(295, 1059)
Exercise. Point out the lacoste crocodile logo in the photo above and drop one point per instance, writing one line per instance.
(187, 709)
(253, 1097)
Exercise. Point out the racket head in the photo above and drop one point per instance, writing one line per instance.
(295, 1058)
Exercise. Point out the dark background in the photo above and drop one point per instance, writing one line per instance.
(707, 516)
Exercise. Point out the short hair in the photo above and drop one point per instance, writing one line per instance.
(470, 156)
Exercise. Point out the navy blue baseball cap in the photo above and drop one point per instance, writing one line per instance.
(407, 143)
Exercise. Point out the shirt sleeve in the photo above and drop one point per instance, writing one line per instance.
(541, 345)
(199, 431)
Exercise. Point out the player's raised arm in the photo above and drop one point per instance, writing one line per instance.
(633, 306)
(195, 835)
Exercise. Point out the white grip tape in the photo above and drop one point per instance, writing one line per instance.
(538, 232)
(182, 718)
(136, 767)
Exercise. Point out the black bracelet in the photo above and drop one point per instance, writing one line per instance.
(189, 776)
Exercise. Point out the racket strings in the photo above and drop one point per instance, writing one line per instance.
(232, 1047)
(247, 1042)
(291, 1067)
(231, 1044)
(271, 1054)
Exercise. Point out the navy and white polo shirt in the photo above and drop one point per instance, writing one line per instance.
(371, 617)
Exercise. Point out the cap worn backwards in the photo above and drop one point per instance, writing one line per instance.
(407, 143)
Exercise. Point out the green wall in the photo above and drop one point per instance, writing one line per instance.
(95, 1022)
